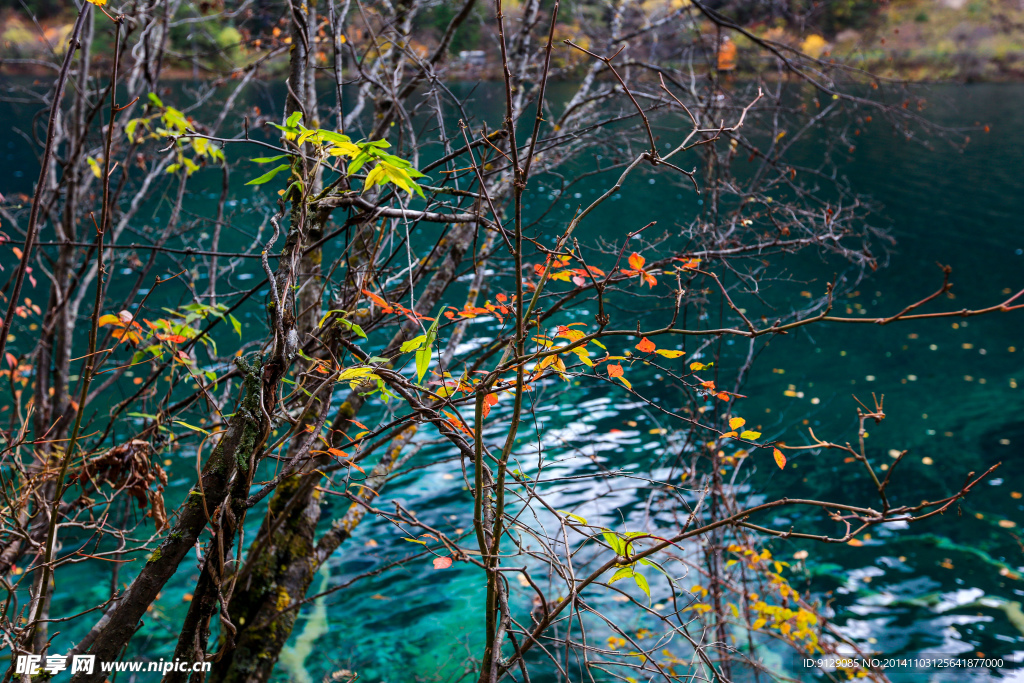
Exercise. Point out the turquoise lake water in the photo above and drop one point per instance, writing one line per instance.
(950, 585)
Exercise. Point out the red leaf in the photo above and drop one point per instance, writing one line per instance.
(646, 345)
(442, 562)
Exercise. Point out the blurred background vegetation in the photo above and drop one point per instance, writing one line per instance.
(921, 40)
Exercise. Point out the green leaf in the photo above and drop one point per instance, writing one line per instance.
(267, 160)
(414, 343)
(192, 427)
(129, 129)
(614, 542)
(642, 582)
(423, 354)
(269, 175)
(623, 573)
(353, 327)
(236, 323)
(422, 363)
(358, 163)
(156, 101)
(328, 315)
(294, 119)
(378, 359)
(573, 517)
(331, 136)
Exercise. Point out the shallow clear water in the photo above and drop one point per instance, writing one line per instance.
(950, 395)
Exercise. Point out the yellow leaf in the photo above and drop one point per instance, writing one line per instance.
(814, 46)
(748, 434)
(98, 3)
(373, 177)
(584, 355)
(669, 354)
(697, 366)
(345, 149)
(736, 422)
(108, 319)
(780, 459)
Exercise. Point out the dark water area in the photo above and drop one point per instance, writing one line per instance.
(951, 585)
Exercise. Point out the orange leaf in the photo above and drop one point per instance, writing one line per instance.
(737, 422)
(780, 459)
(615, 371)
(722, 396)
(645, 345)
(173, 338)
(383, 305)
(456, 423)
(636, 261)
(442, 562)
